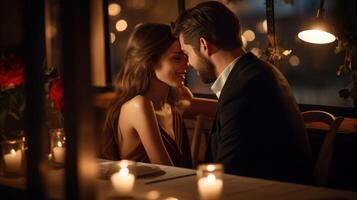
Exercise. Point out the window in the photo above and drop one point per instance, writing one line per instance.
(125, 15)
(310, 69)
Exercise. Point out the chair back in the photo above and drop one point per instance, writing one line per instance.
(196, 139)
(324, 159)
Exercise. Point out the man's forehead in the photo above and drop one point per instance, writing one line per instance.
(181, 39)
(182, 42)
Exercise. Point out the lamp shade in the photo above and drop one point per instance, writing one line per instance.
(317, 32)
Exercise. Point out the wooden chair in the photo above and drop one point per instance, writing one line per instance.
(196, 144)
(324, 158)
(202, 111)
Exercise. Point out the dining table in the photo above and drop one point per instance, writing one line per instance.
(163, 182)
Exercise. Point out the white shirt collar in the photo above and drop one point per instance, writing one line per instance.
(217, 86)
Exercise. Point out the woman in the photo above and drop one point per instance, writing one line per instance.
(144, 122)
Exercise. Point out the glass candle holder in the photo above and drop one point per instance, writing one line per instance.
(13, 155)
(124, 179)
(58, 146)
(210, 181)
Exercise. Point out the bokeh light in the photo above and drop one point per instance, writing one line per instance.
(294, 60)
(249, 35)
(114, 9)
(112, 37)
(121, 25)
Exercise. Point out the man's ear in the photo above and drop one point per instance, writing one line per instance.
(205, 47)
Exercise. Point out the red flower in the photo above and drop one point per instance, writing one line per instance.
(11, 73)
(55, 94)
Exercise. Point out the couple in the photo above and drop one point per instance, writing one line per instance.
(258, 130)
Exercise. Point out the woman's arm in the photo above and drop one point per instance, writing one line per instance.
(144, 121)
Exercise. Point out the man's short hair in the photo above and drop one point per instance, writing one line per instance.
(212, 21)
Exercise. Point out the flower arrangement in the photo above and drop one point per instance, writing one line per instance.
(13, 97)
(54, 92)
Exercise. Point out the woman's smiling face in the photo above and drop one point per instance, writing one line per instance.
(172, 65)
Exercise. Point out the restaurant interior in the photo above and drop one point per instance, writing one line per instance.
(58, 63)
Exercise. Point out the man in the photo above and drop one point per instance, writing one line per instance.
(258, 130)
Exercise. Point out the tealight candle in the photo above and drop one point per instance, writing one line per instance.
(210, 183)
(59, 153)
(210, 188)
(13, 156)
(13, 161)
(123, 181)
(58, 147)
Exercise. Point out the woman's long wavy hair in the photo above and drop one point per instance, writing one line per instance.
(146, 45)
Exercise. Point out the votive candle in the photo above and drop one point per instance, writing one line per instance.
(123, 181)
(59, 153)
(13, 160)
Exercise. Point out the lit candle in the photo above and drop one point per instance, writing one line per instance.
(59, 153)
(13, 160)
(210, 188)
(123, 181)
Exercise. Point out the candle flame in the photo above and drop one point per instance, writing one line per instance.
(124, 171)
(211, 178)
(210, 168)
(123, 164)
(13, 152)
(59, 144)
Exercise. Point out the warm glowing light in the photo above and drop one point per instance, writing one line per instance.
(211, 178)
(153, 195)
(256, 51)
(59, 144)
(210, 168)
(114, 9)
(316, 36)
(51, 31)
(265, 25)
(112, 38)
(171, 198)
(124, 164)
(13, 152)
(294, 60)
(124, 171)
(121, 25)
(244, 41)
(249, 35)
(287, 52)
(262, 26)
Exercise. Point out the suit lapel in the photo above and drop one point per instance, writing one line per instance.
(228, 88)
(231, 83)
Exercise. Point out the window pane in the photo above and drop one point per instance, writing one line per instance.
(310, 69)
(125, 15)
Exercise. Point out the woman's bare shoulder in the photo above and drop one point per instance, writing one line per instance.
(138, 102)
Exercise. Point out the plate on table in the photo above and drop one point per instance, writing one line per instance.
(146, 170)
(107, 168)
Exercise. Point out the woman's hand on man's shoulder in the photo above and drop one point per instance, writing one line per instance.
(185, 93)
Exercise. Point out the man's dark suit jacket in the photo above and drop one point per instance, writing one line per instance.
(258, 130)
